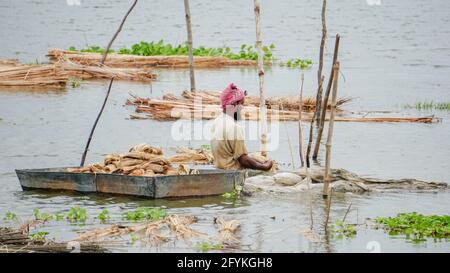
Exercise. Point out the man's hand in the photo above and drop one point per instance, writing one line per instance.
(268, 164)
(251, 163)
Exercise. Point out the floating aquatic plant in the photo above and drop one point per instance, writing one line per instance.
(160, 48)
(77, 214)
(143, 213)
(10, 216)
(417, 227)
(42, 216)
(231, 194)
(342, 230)
(298, 63)
(104, 216)
(39, 236)
(205, 246)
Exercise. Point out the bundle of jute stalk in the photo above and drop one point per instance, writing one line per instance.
(19, 75)
(172, 110)
(126, 61)
(227, 231)
(186, 155)
(141, 160)
(178, 227)
(87, 72)
(290, 103)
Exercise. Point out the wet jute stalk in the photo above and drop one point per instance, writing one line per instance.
(326, 177)
(105, 54)
(325, 100)
(117, 32)
(262, 103)
(190, 44)
(319, 71)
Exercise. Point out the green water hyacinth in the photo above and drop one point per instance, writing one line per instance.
(77, 214)
(144, 213)
(417, 227)
(160, 48)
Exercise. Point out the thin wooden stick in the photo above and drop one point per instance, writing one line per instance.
(289, 142)
(326, 177)
(346, 213)
(83, 158)
(311, 126)
(190, 44)
(319, 71)
(117, 32)
(262, 103)
(300, 129)
(325, 100)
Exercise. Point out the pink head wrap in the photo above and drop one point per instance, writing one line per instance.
(231, 95)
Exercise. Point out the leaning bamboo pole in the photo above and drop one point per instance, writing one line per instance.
(117, 32)
(190, 44)
(326, 177)
(83, 158)
(325, 100)
(319, 71)
(262, 108)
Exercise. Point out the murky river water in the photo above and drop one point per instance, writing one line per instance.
(391, 55)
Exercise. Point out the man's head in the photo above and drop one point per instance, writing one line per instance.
(232, 99)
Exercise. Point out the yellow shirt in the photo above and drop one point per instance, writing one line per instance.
(227, 142)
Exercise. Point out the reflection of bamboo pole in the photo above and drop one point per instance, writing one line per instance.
(262, 108)
(300, 129)
(325, 100)
(319, 71)
(190, 44)
(326, 177)
(117, 32)
(327, 213)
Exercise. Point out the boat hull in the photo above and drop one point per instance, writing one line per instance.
(206, 182)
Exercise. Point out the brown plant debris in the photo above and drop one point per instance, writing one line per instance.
(227, 231)
(156, 232)
(127, 61)
(18, 241)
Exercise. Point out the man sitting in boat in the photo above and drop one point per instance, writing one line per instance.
(228, 137)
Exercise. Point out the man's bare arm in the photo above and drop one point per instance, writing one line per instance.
(251, 163)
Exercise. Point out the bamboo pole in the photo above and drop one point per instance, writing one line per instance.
(262, 103)
(83, 158)
(308, 150)
(300, 129)
(325, 100)
(319, 71)
(190, 44)
(105, 54)
(326, 177)
(117, 32)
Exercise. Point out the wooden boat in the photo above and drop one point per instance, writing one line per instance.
(206, 182)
